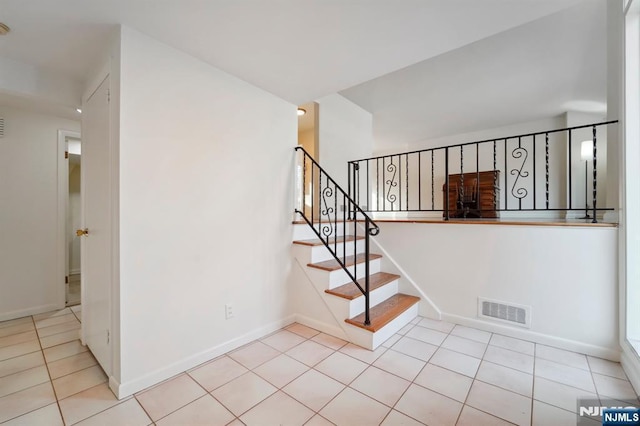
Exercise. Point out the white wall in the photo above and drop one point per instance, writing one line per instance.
(345, 133)
(566, 274)
(496, 132)
(74, 218)
(615, 102)
(28, 218)
(206, 178)
(308, 305)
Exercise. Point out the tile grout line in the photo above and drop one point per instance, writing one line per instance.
(51, 380)
(251, 370)
(63, 358)
(65, 331)
(281, 389)
(322, 373)
(206, 392)
(30, 387)
(55, 394)
(74, 372)
(593, 380)
(135, 397)
(101, 411)
(326, 375)
(473, 379)
(17, 334)
(412, 382)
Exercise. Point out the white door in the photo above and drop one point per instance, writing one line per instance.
(97, 242)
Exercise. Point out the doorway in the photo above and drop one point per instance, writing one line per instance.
(308, 138)
(74, 221)
(69, 166)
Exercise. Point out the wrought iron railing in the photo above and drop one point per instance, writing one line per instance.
(329, 210)
(526, 173)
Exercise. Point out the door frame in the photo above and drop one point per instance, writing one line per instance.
(629, 248)
(63, 207)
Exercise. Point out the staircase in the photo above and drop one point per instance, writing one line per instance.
(389, 309)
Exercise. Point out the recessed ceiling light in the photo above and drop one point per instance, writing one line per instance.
(302, 111)
(79, 110)
(4, 29)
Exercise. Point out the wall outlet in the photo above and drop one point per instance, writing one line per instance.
(228, 311)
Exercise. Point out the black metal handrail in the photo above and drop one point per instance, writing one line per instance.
(394, 182)
(324, 191)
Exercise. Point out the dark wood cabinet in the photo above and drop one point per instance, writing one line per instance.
(475, 195)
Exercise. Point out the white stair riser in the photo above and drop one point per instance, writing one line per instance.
(308, 254)
(356, 307)
(321, 253)
(328, 280)
(351, 308)
(368, 340)
(302, 231)
(340, 277)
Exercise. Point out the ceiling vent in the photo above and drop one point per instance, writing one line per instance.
(1, 127)
(506, 312)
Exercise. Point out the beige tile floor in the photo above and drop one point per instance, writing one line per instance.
(431, 372)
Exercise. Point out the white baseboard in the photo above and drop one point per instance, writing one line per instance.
(122, 390)
(114, 385)
(631, 365)
(532, 336)
(30, 311)
(321, 326)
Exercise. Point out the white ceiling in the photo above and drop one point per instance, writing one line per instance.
(298, 50)
(39, 105)
(424, 68)
(537, 70)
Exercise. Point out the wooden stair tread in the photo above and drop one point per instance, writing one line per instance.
(385, 312)
(350, 291)
(319, 242)
(333, 265)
